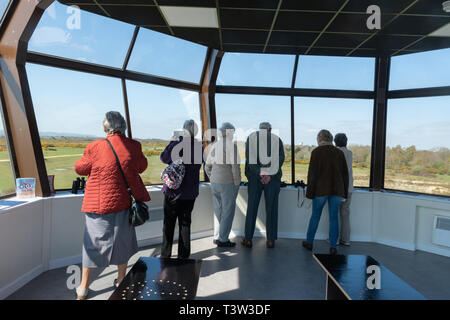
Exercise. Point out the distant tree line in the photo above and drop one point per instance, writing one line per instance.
(406, 160)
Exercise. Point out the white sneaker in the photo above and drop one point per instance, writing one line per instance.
(344, 243)
(82, 293)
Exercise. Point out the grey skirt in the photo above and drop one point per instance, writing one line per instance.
(108, 239)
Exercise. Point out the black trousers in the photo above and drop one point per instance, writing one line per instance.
(173, 210)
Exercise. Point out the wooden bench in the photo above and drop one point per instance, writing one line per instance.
(347, 278)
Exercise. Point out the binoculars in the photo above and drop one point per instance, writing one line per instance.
(300, 184)
(78, 184)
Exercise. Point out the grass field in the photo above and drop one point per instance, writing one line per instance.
(60, 162)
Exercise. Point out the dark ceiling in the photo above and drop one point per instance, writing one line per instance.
(315, 27)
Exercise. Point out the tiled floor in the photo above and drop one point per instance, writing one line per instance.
(286, 272)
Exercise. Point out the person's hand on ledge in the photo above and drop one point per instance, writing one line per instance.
(265, 177)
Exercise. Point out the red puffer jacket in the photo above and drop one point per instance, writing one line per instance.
(105, 189)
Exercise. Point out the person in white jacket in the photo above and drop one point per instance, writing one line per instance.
(340, 140)
(224, 172)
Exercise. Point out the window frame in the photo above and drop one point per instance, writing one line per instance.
(378, 94)
(121, 73)
(10, 144)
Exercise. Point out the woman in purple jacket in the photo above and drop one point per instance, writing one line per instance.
(178, 204)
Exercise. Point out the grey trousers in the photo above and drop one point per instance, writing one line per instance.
(224, 201)
(344, 223)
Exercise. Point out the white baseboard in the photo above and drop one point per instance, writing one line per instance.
(434, 249)
(396, 244)
(297, 235)
(158, 240)
(20, 282)
(360, 239)
(64, 262)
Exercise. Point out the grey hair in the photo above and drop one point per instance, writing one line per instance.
(265, 125)
(340, 140)
(191, 127)
(114, 122)
(324, 136)
(226, 128)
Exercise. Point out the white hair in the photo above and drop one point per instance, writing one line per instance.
(265, 125)
(191, 127)
(226, 129)
(114, 122)
(324, 136)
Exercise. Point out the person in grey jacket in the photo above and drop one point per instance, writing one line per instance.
(223, 169)
(340, 141)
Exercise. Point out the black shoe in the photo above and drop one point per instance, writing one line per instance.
(307, 245)
(115, 283)
(270, 244)
(225, 244)
(333, 251)
(246, 243)
(215, 241)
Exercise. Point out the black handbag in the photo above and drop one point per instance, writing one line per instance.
(138, 210)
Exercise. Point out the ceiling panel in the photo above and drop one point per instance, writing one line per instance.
(355, 23)
(431, 43)
(245, 24)
(320, 5)
(386, 6)
(243, 48)
(292, 38)
(285, 50)
(304, 21)
(416, 25)
(125, 2)
(389, 42)
(261, 4)
(341, 40)
(158, 29)
(181, 3)
(328, 51)
(204, 36)
(138, 15)
(244, 37)
(428, 7)
(249, 19)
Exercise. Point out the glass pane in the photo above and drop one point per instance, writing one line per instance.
(350, 116)
(246, 112)
(420, 70)
(155, 113)
(253, 69)
(90, 37)
(3, 5)
(163, 55)
(340, 73)
(418, 146)
(70, 107)
(7, 185)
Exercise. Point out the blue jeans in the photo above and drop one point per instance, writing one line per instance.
(333, 209)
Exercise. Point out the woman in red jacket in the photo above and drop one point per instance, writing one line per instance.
(109, 238)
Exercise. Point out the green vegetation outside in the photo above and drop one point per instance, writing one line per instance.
(406, 168)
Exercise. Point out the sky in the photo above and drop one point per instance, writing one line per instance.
(72, 102)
